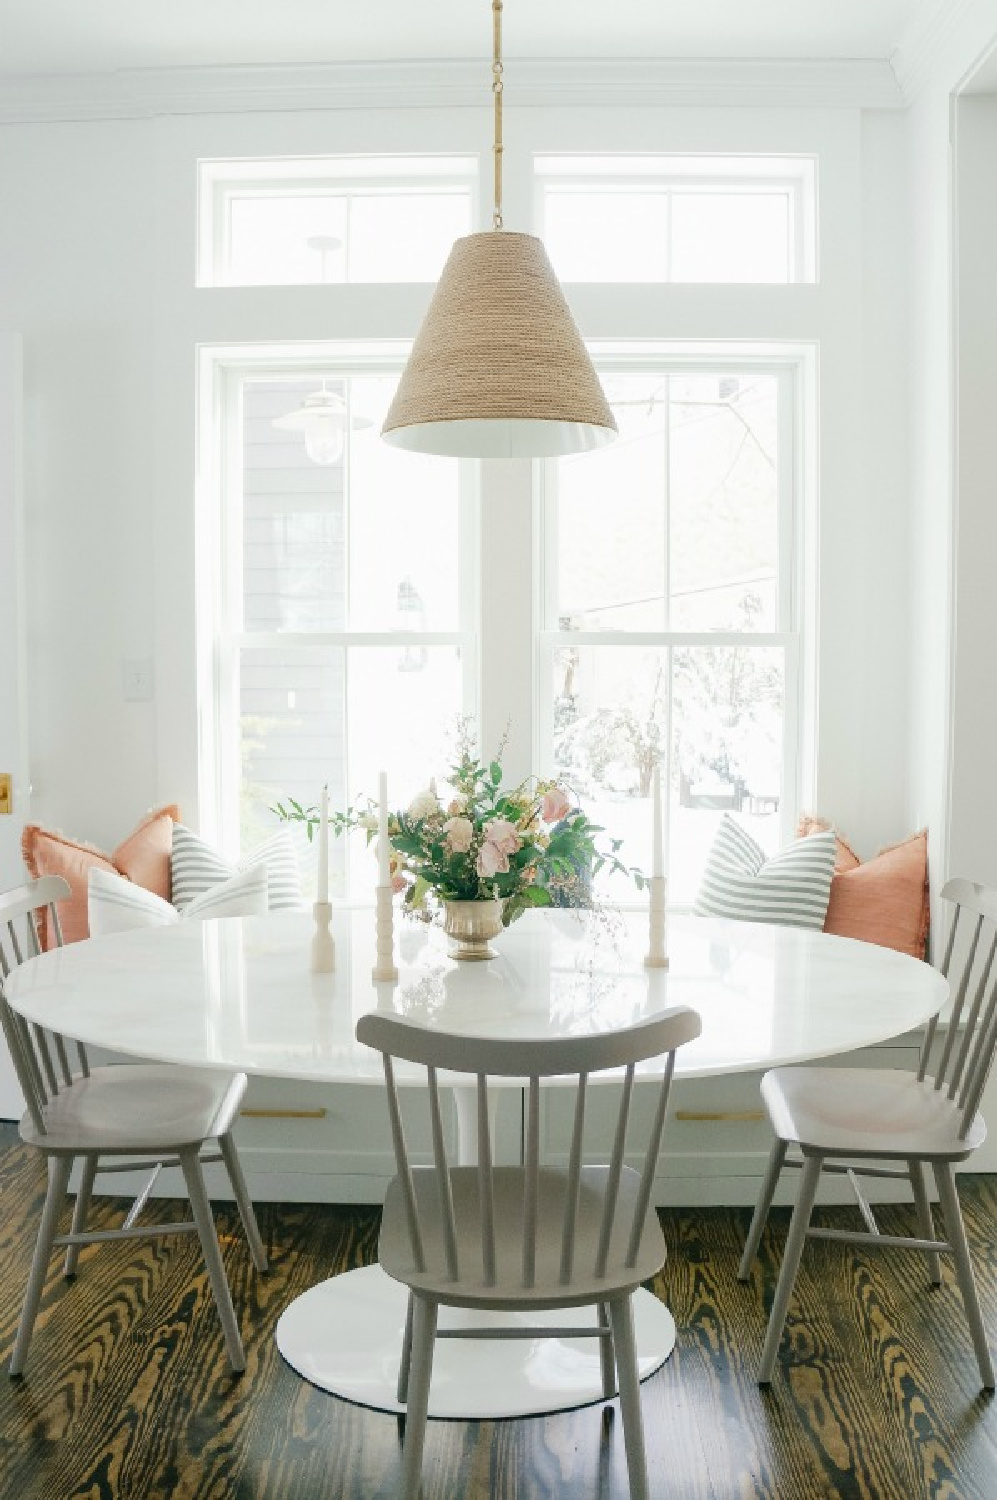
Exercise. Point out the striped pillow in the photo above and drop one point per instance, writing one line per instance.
(792, 888)
(196, 867)
(118, 905)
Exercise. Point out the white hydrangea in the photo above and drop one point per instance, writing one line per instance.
(423, 805)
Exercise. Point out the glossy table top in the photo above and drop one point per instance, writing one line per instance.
(238, 992)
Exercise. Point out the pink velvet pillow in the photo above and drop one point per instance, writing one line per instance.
(143, 857)
(883, 900)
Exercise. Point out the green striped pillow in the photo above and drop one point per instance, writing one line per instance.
(792, 888)
(195, 867)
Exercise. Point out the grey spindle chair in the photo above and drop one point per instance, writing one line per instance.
(529, 1237)
(139, 1116)
(848, 1120)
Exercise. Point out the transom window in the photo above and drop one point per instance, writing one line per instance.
(679, 218)
(331, 219)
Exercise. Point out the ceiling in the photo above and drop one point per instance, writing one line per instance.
(99, 36)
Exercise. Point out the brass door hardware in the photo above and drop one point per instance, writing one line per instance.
(743, 1115)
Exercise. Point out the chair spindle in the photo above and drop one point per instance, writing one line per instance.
(929, 1034)
(443, 1175)
(972, 1026)
(531, 1183)
(574, 1179)
(404, 1169)
(650, 1161)
(615, 1169)
(960, 997)
(485, 1185)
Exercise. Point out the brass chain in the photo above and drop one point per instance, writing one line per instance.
(497, 92)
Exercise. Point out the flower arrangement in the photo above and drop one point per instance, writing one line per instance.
(528, 846)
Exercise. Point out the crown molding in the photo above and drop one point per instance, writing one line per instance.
(144, 93)
(919, 50)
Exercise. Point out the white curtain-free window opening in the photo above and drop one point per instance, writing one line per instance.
(341, 626)
(682, 219)
(671, 619)
(314, 220)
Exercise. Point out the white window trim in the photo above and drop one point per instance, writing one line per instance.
(796, 369)
(221, 638)
(221, 182)
(664, 175)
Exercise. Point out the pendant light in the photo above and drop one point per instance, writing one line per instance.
(322, 418)
(498, 368)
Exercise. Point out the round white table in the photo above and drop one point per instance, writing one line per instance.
(206, 993)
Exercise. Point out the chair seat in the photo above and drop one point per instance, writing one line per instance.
(509, 1290)
(135, 1109)
(863, 1112)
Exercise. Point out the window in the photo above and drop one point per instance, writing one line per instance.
(679, 218)
(341, 640)
(314, 219)
(670, 619)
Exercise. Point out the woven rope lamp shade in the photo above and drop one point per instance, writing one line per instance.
(498, 369)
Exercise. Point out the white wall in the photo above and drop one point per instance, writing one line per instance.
(75, 282)
(110, 319)
(950, 770)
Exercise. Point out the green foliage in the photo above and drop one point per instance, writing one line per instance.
(484, 841)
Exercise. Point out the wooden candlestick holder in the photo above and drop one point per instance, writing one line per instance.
(657, 954)
(323, 943)
(384, 964)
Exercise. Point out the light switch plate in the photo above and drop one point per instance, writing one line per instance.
(137, 681)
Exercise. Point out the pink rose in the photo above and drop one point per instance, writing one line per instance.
(398, 883)
(491, 860)
(555, 805)
(459, 832)
(503, 835)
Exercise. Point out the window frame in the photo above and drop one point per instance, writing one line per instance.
(666, 174)
(221, 181)
(795, 369)
(222, 639)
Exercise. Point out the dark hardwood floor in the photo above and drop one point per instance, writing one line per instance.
(127, 1392)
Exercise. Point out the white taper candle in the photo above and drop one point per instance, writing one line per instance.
(323, 848)
(383, 843)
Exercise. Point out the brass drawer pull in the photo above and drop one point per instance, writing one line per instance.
(720, 1114)
(283, 1114)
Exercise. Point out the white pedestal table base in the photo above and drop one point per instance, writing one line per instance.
(345, 1336)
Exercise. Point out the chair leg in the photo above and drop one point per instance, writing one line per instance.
(194, 1178)
(607, 1354)
(956, 1232)
(80, 1210)
(244, 1202)
(423, 1341)
(926, 1224)
(406, 1361)
(621, 1316)
(59, 1168)
(790, 1265)
(776, 1158)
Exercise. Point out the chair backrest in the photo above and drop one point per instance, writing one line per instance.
(40, 1056)
(970, 965)
(530, 1060)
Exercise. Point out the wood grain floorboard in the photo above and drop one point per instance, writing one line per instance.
(128, 1394)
